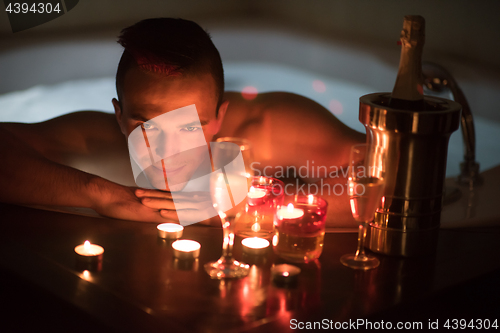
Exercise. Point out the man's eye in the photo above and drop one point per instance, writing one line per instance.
(147, 126)
(190, 129)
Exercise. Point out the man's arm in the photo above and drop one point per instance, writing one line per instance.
(33, 172)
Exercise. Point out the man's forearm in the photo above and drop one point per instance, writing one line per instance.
(29, 178)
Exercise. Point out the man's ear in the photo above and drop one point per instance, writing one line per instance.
(221, 114)
(118, 114)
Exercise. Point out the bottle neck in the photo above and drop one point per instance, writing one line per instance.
(408, 84)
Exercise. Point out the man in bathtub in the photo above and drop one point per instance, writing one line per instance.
(83, 159)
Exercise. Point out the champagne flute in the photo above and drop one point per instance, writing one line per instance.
(229, 185)
(366, 186)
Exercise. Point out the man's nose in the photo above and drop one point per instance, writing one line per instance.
(167, 145)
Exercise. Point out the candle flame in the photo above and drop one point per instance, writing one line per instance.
(186, 245)
(310, 199)
(275, 240)
(255, 243)
(286, 273)
(86, 245)
(86, 275)
(289, 207)
(252, 189)
(256, 227)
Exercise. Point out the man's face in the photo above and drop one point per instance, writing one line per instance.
(168, 121)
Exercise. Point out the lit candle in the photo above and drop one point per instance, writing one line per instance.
(256, 193)
(86, 275)
(255, 196)
(285, 274)
(290, 212)
(255, 245)
(186, 249)
(310, 199)
(170, 230)
(89, 250)
(89, 256)
(255, 227)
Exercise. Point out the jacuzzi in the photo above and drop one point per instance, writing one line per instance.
(44, 80)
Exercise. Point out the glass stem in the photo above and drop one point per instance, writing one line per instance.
(360, 252)
(228, 242)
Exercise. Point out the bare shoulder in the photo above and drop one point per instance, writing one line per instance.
(294, 110)
(73, 132)
(289, 129)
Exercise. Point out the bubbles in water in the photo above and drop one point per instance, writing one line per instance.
(319, 86)
(335, 107)
(249, 92)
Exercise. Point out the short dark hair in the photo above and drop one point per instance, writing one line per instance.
(169, 46)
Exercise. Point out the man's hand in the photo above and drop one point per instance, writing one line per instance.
(188, 206)
(120, 202)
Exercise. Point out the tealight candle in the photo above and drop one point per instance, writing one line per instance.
(310, 199)
(170, 230)
(255, 245)
(256, 193)
(186, 249)
(290, 212)
(89, 250)
(285, 274)
(89, 256)
(255, 196)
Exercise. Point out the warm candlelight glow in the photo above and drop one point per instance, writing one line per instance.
(186, 245)
(255, 243)
(88, 258)
(256, 227)
(255, 246)
(300, 231)
(256, 193)
(88, 249)
(290, 212)
(285, 274)
(170, 227)
(170, 230)
(86, 275)
(186, 249)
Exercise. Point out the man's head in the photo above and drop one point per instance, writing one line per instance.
(171, 47)
(169, 64)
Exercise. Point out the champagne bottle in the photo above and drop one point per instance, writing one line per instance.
(408, 91)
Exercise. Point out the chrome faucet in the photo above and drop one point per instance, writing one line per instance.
(439, 80)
